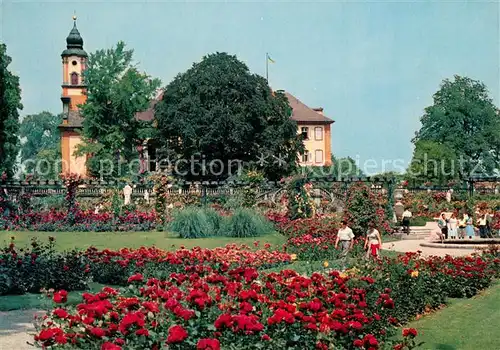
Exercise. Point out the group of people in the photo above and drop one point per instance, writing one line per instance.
(345, 237)
(451, 227)
(454, 228)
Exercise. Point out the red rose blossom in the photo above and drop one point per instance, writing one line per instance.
(110, 346)
(60, 296)
(176, 334)
(411, 332)
(97, 332)
(208, 344)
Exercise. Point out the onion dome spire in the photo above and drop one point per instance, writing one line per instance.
(74, 42)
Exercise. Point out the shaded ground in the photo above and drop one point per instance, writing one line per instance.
(15, 329)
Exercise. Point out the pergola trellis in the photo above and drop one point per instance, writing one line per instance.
(473, 180)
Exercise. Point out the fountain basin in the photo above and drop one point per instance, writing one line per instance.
(466, 243)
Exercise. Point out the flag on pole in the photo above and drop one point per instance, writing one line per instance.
(270, 59)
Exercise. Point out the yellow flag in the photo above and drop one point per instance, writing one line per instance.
(270, 59)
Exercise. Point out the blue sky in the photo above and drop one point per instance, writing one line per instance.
(373, 66)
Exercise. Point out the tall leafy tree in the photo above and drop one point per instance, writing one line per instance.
(41, 143)
(10, 104)
(217, 114)
(433, 162)
(341, 168)
(116, 91)
(346, 167)
(464, 118)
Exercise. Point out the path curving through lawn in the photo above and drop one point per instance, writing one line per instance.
(15, 329)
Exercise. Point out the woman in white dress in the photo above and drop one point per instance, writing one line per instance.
(453, 226)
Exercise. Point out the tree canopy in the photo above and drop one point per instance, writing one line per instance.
(10, 104)
(116, 91)
(343, 167)
(41, 143)
(433, 162)
(217, 115)
(463, 118)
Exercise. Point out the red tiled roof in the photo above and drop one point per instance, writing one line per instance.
(300, 111)
(75, 120)
(148, 114)
(303, 113)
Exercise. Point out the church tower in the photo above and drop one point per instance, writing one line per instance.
(74, 61)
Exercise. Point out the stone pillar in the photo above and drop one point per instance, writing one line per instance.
(317, 197)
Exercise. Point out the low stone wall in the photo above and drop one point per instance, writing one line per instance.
(466, 243)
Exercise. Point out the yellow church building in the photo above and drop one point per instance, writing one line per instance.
(312, 124)
(74, 60)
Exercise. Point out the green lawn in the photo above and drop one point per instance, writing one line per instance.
(40, 301)
(466, 324)
(117, 240)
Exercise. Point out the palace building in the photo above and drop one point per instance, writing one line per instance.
(312, 124)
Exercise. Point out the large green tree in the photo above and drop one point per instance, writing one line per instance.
(10, 104)
(346, 167)
(464, 119)
(217, 115)
(41, 144)
(433, 162)
(116, 91)
(343, 167)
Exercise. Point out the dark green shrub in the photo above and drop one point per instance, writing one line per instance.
(50, 202)
(245, 223)
(420, 221)
(191, 222)
(214, 220)
(300, 204)
(27, 270)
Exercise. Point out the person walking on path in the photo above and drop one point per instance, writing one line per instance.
(443, 225)
(452, 226)
(346, 238)
(406, 221)
(469, 228)
(373, 242)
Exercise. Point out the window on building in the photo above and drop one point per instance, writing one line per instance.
(304, 131)
(318, 133)
(74, 78)
(305, 157)
(318, 156)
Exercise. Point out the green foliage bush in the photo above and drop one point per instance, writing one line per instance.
(300, 205)
(361, 209)
(234, 201)
(192, 222)
(40, 266)
(245, 223)
(420, 221)
(214, 219)
(195, 222)
(50, 202)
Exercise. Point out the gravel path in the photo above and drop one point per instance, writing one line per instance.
(15, 329)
